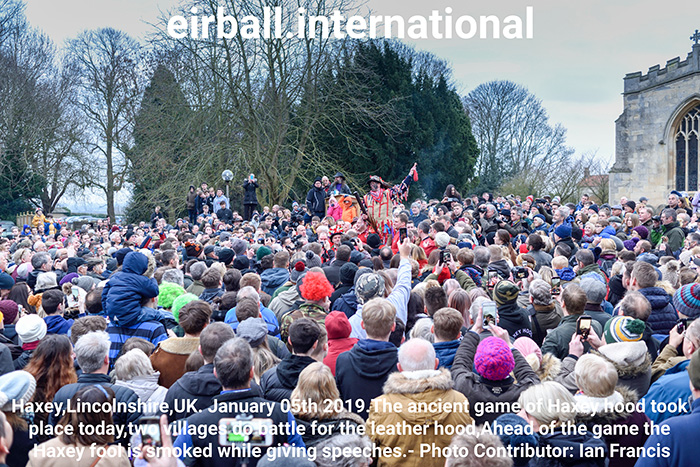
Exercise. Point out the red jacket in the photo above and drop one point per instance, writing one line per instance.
(338, 328)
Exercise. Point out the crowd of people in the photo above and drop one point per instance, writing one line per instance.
(364, 330)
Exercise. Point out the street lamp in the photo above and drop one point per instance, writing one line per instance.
(227, 175)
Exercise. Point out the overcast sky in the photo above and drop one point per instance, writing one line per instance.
(575, 62)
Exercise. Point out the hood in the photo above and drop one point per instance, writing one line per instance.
(608, 232)
(501, 267)
(201, 382)
(180, 345)
(274, 277)
(566, 274)
(135, 263)
(421, 387)
(629, 358)
(56, 324)
(596, 410)
(288, 369)
(658, 297)
(337, 325)
(549, 367)
(373, 359)
(143, 386)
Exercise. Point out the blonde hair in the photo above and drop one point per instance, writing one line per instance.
(378, 315)
(549, 403)
(316, 386)
(263, 360)
(595, 376)
(546, 273)
(607, 244)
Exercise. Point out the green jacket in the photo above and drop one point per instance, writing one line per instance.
(676, 237)
(306, 310)
(557, 340)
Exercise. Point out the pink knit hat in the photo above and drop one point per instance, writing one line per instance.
(494, 359)
(527, 346)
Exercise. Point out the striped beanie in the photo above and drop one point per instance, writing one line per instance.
(686, 300)
(505, 292)
(623, 329)
(494, 360)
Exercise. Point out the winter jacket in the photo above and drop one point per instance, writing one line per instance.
(122, 395)
(23, 360)
(332, 271)
(196, 288)
(150, 393)
(672, 387)
(362, 371)
(191, 199)
(208, 295)
(201, 386)
(542, 319)
(249, 197)
(479, 389)
(57, 324)
(284, 302)
(475, 273)
(681, 441)
(170, 356)
(124, 291)
(542, 258)
(668, 358)
(514, 320)
(340, 290)
(616, 410)
(632, 363)
(577, 446)
(596, 312)
(270, 319)
(663, 316)
(445, 352)
(417, 388)
(557, 340)
(317, 431)
(592, 268)
(273, 278)
(335, 211)
(306, 310)
(338, 328)
(347, 303)
(278, 382)
(501, 267)
(676, 237)
(41, 456)
(316, 201)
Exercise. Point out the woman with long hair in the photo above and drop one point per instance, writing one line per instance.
(459, 300)
(631, 221)
(99, 448)
(316, 399)
(19, 293)
(52, 367)
(451, 192)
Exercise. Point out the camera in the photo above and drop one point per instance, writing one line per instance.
(519, 273)
(540, 201)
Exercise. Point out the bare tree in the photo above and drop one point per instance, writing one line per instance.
(108, 62)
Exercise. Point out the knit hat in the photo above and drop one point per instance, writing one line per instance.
(239, 246)
(694, 370)
(22, 271)
(631, 243)
(642, 231)
(527, 346)
(298, 270)
(347, 273)
(9, 310)
(30, 328)
(374, 240)
(241, 263)
(594, 207)
(631, 204)
(595, 290)
(193, 249)
(686, 300)
(338, 325)
(179, 302)
(494, 359)
(623, 329)
(505, 292)
(120, 254)
(209, 249)
(83, 282)
(540, 216)
(168, 292)
(313, 260)
(563, 231)
(224, 236)
(368, 286)
(262, 252)
(315, 287)
(442, 239)
(16, 388)
(356, 257)
(73, 263)
(6, 281)
(45, 280)
(226, 255)
(254, 330)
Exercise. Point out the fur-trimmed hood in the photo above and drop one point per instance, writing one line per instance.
(180, 345)
(549, 369)
(414, 382)
(598, 410)
(630, 359)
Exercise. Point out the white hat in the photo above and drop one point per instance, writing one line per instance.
(30, 328)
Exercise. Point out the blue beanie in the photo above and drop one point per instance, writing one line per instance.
(563, 231)
(686, 300)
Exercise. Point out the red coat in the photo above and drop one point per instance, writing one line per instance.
(338, 328)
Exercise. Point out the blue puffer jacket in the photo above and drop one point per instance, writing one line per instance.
(445, 352)
(663, 316)
(123, 292)
(273, 278)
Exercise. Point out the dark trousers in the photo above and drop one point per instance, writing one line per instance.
(193, 215)
(248, 211)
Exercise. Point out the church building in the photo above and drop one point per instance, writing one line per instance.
(656, 143)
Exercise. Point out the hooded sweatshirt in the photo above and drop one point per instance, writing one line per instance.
(123, 292)
(362, 372)
(338, 328)
(278, 382)
(273, 278)
(57, 324)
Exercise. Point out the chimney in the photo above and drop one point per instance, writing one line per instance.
(586, 172)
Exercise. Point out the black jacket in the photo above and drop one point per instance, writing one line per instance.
(208, 295)
(332, 272)
(514, 320)
(122, 395)
(362, 371)
(200, 386)
(278, 382)
(316, 201)
(250, 197)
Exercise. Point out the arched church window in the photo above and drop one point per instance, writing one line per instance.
(687, 151)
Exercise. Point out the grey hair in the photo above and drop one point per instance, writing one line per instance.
(423, 330)
(343, 444)
(132, 364)
(197, 270)
(248, 292)
(91, 350)
(540, 292)
(482, 256)
(39, 259)
(174, 276)
(476, 307)
(233, 363)
(417, 354)
(564, 212)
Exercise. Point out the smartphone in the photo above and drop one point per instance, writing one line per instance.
(74, 291)
(556, 285)
(403, 233)
(445, 256)
(520, 273)
(251, 431)
(493, 279)
(583, 326)
(489, 311)
(148, 433)
(261, 241)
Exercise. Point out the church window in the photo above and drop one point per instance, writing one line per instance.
(687, 151)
